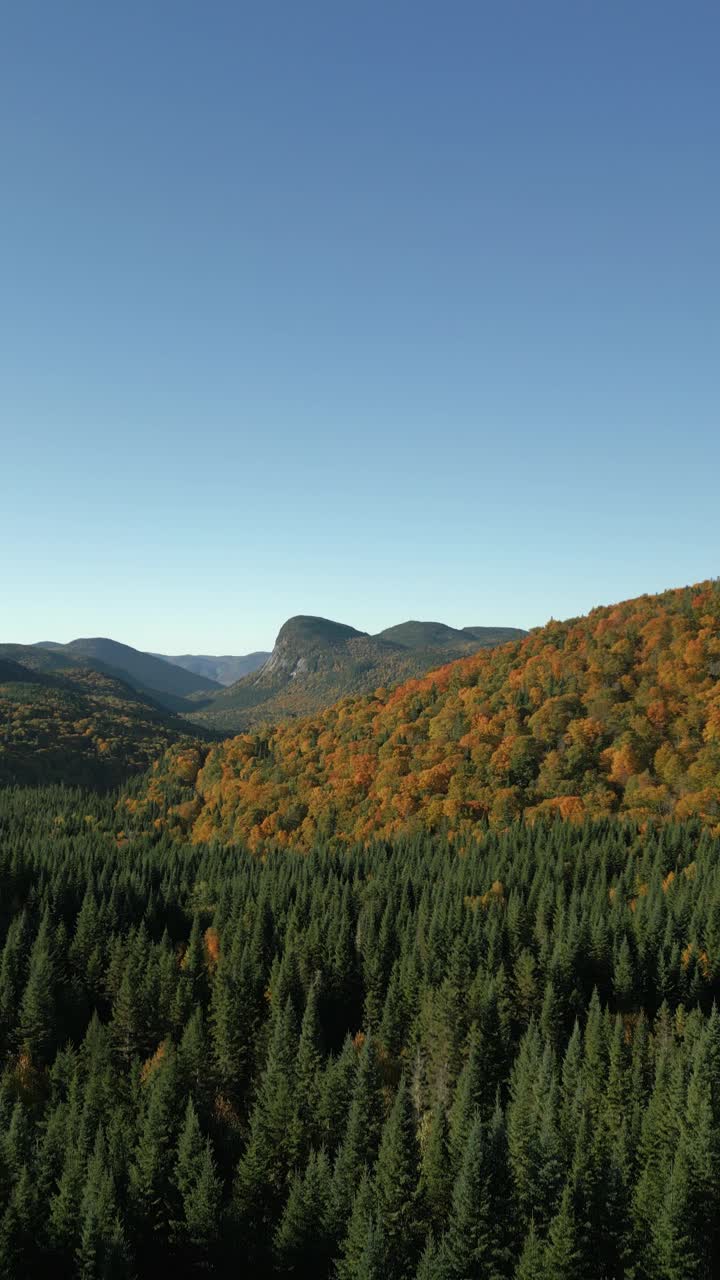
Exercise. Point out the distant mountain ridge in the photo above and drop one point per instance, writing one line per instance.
(144, 668)
(316, 661)
(224, 669)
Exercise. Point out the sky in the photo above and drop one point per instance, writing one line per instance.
(376, 310)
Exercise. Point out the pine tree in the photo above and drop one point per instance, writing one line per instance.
(469, 1096)
(398, 1212)
(65, 1204)
(624, 978)
(466, 1246)
(233, 1020)
(19, 1228)
(562, 1257)
(302, 1241)
(36, 1026)
(150, 1176)
(532, 1259)
(675, 1245)
(264, 1169)
(435, 1179)
(373, 1261)
(102, 1249)
(126, 1026)
(356, 1233)
(336, 1088)
(201, 1203)
(195, 1062)
(304, 1123)
(190, 1151)
(362, 1134)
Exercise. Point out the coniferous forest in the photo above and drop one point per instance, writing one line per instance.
(359, 760)
(493, 1058)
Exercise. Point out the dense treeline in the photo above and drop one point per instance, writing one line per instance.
(80, 727)
(614, 713)
(485, 1060)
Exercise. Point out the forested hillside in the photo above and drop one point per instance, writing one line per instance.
(316, 661)
(410, 1061)
(337, 999)
(79, 726)
(170, 684)
(614, 713)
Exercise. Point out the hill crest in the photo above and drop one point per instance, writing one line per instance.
(614, 713)
(316, 661)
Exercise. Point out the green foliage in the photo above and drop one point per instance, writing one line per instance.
(81, 727)
(363, 1063)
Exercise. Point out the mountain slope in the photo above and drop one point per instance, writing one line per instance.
(316, 661)
(614, 713)
(79, 726)
(436, 635)
(168, 684)
(224, 670)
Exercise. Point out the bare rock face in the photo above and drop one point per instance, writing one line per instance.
(303, 642)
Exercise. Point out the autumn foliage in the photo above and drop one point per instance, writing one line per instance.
(614, 713)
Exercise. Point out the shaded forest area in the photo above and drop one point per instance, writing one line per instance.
(493, 1059)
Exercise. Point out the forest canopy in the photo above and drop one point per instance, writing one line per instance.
(614, 713)
(410, 1060)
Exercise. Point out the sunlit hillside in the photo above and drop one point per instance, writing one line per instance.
(614, 713)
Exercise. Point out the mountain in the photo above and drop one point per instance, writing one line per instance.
(78, 726)
(33, 658)
(491, 636)
(171, 685)
(223, 670)
(616, 713)
(316, 661)
(436, 635)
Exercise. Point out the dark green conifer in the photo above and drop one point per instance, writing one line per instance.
(360, 1142)
(303, 1243)
(435, 1176)
(531, 1265)
(354, 1237)
(562, 1256)
(398, 1211)
(36, 1025)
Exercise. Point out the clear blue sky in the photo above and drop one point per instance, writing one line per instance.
(375, 310)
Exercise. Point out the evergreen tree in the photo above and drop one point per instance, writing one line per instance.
(397, 1209)
(466, 1246)
(102, 1249)
(263, 1171)
(150, 1176)
(372, 1263)
(675, 1245)
(362, 1135)
(201, 1203)
(36, 1027)
(562, 1257)
(358, 1226)
(303, 1243)
(531, 1265)
(307, 1080)
(435, 1180)
(19, 1227)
